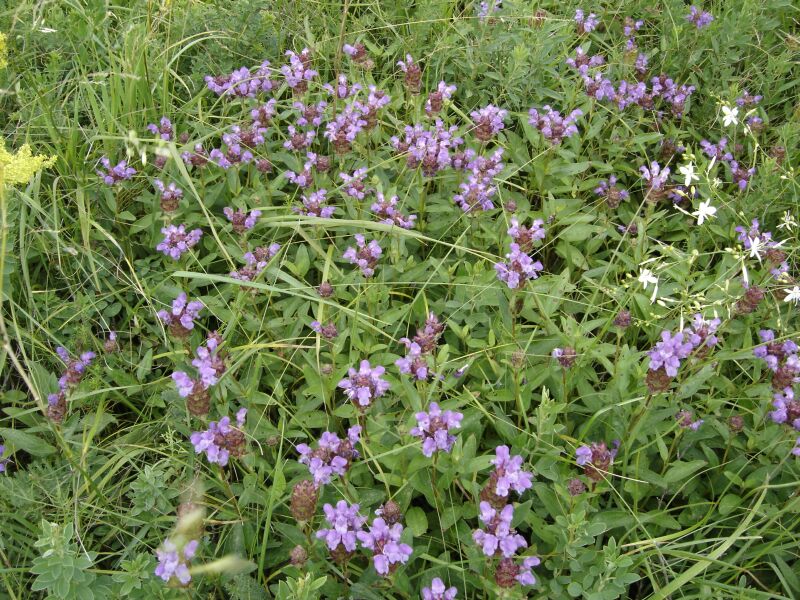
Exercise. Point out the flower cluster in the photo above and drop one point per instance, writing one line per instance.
(177, 240)
(354, 184)
(413, 74)
(438, 591)
(596, 459)
(113, 175)
(552, 125)
(488, 122)
(783, 360)
(666, 356)
(298, 72)
(507, 476)
(3, 461)
(518, 269)
(699, 18)
(686, 420)
(333, 456)
(241, 83)
(655, 178)
(162, 130)
(241, 219)
(173, 561)
(429, 149)
(434, 428)
(436, 100)
(181, 318)
(345, 127)
(365, 257)
(525, 237)
(257, 261)
(739, 174)
(71, 376)
(345, 523)
(386, 211)
(582, 62)
(170, 195)
(498, 537)
(479, 189)
(611, 192)
(420, 347)
(221, 440)
(585, 24)
(314, 205)
(365, 385)
(388, 552)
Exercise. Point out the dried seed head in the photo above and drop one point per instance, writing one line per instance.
(298, 556)
(303, 502)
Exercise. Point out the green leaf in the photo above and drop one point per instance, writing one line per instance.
(682, 470)
(417, 521)
(25, 441)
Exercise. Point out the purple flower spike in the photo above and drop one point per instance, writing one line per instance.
(257, 261)
(498, 537)
(438, 591)
(314, 205)
(388, 552)
(386, 211)
(298, 72)
(177, 241)
(241, 219)
(429, 149)
(669, 352)
(173, 561)
(585, 24)
(113, 175)
(552, 125)
(242, 83)
(518, 269)
(365, 385)
(345, 522)
(354, 184)
(182, 315)
(699, 18)
(366, 257)
(333, 456)
(162, 130)
(434, 428)
(221, 440)
(488, 122)
(508, 474)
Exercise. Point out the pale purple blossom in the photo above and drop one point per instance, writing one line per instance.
(479, 189)
(113, 175)
(345, 523)
(384, 541)
(208, 362)
(498, 537)
(341, 89)
(354, 184)
(386, 211)
(263, 113)
(177, 240)
(257, 260)
(241, 219)
(310, 114)
(508, 473)
(365, 385)
(699, 18)
(366, 257)
(670, 351)
(654, 176)
(342, 131)
(241, 83)
(746, 100)
(315, 205)
(183, 312)
(488, 122)
(525, 237)
(518, 269)
(169, 193)
(332, 456)
(429, 149)
(162, 130)
(299, 140)
(436, 100)
(585, 24)
(173, 561)
(3, 461)
(438, 591)
(221, 440)
(434, 428)
(298, 72)
(552, 125)
(582, 62)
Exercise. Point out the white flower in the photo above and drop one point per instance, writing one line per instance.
(756, 246)
(730, 116)
(793, 295)
(688, 173)
(704, 212)
(788, 221)
(646, 277)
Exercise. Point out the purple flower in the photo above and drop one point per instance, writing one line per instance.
(699, 17)
(687, 421)
(354, 184)
(484, 10)
(263, 113)
(746, 100)
(197, 158)
(162, 130)
(170, 194)
(384, 541)
(716, 150)
(498, 537)
(221, 440)
(423, 344)
(242, 83)
(428, 148)
(173, 561)
(582, 62)
(552, 125)
(257, 261)
(438, 591)
(333, 456)
(518, 269)
(3, 461)
(525, 577)
(526, 236)
(488, 122)
(741, 175)
(299, 140)
(654, 176)
(508, 473)
(641, 63)
(314, 205)
(75, 368)
(340, 88)
(183, 313)
(596, 459)
(241, 219)
(366, 257)
(434, 428)
(345, 126)
(345, 522)
(796, 449)
(585, 24)
(298, 72)
(436, 100)
(479, 189)
(365, 385)
(583, 455)
(209, 364)
(177, 241)
(669, 352)
(612, 193)
(114, 175)
(386, 211)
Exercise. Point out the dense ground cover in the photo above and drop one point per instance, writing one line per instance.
(392, 299)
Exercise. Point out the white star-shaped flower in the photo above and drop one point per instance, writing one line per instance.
(788, 221)
(688, 173)
(756, 246)
(704, 212)
(730, 116)
(646, 277)
(793, 295)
